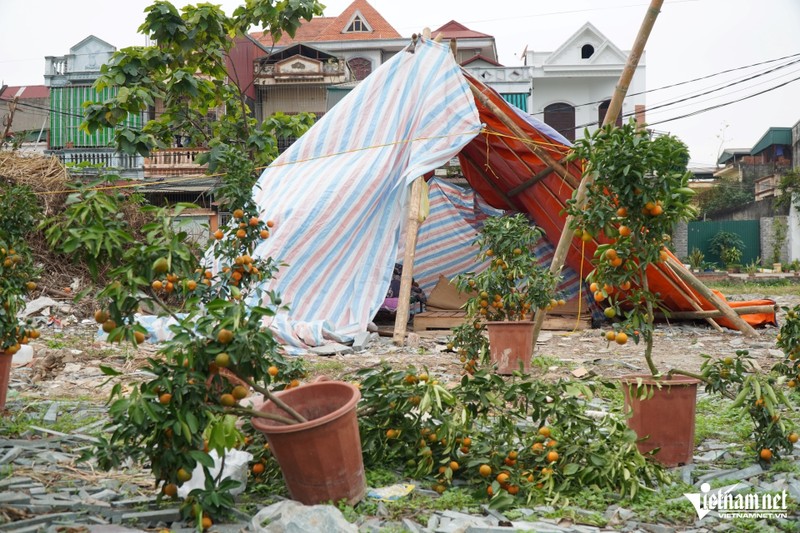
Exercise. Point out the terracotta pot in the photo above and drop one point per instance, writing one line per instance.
(665, 420)
(320, 459)
(5, 376)
(511, 343)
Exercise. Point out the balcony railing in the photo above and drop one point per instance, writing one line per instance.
(173, 162)
(110, 160)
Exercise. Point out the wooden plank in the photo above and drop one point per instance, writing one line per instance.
(404, 298)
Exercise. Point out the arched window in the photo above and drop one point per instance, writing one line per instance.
(587, 51)
(360, 67)
(561, 117)
(601, 114)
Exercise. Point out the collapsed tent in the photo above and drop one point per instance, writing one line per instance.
(339, 194)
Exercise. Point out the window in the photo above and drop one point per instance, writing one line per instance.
(357, 25)
(561, 117)
(587, 51)
(601, 114)
(360, 67)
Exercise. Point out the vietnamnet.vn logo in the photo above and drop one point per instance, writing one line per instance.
(730, 505)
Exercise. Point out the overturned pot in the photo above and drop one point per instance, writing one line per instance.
(320, 459)
(662, 413)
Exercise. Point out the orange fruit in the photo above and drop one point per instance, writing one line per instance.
(294, 384)
(502, 477)
(621, 338)
(586, 236)
(616, 263)
(273, 371)
(253, 221)
(608, 289)
(512, 454)
(183, 475)
(392, 433)
(467, 441)
(793, 437)
(241, 233)
(611, 335)
(625, 285)
(238, 213)
(624, 231)
(611, 254)
(552, 443)
(263, 234)
(552, 457)
(663, 255)
(657, 210)
(454, 465)
(219, 234)
(225, 336)
(489, 490)
(206, 522)
(485, 470)
(765, 454)
(622, 212)
(227, 400)
(170, 489)
(258, 468)
(594, 287)
(513, 489)
(165, 398)
(138, 336)
(544, 431)
(270, 223)
(208, 274)
(109, 326)
(191, 285)
(537, 447)
(31, 285)
(223, 360)
(239, 392)
(100, 316)
(599, 296)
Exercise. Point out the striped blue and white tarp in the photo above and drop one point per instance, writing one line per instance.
(445, 242)
(338, 195)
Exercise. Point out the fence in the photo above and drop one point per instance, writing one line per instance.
(701, 233)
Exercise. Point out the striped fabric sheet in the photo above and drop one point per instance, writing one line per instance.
(338, 195)
(445, 240)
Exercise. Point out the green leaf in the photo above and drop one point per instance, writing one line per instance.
(202, 458)
(108, 371)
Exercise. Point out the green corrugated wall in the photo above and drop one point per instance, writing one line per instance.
(701, 233)
(66, 115)
(517, 99)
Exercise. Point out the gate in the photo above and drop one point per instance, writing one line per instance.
(701, 233)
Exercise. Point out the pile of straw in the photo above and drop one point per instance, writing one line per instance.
(45, 175)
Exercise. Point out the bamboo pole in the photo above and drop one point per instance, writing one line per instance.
(715, 300)
(404, 298)
(716, 313)
(611, 116)
(690, 297)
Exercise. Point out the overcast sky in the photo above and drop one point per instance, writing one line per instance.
(691, 38)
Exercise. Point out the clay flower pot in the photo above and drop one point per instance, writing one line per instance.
(320, 459)
(663, 417)
(511, 343)
(5, 377)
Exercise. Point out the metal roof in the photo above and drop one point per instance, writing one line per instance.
(772, 137)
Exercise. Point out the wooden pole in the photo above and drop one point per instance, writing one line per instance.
(726, 310)
(404, 298)
(716, 313)
(690, 297)
(614, 108)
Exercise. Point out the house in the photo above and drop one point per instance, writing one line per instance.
(70, 78)
(306, 72)
(26, 108)
(760, 166)
(571, 87)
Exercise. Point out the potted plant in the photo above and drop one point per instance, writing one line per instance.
(19, 213)
(779, 231)
(696, 258)
(752, 267)
(508, 291)
(638, 194)
(221, 349)
(728, 247)
(731, 257)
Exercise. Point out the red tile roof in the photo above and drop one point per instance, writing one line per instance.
(456, 30)
(480, 57)
(26, 92)
(331, 28)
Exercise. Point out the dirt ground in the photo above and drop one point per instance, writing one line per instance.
(66, 364)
